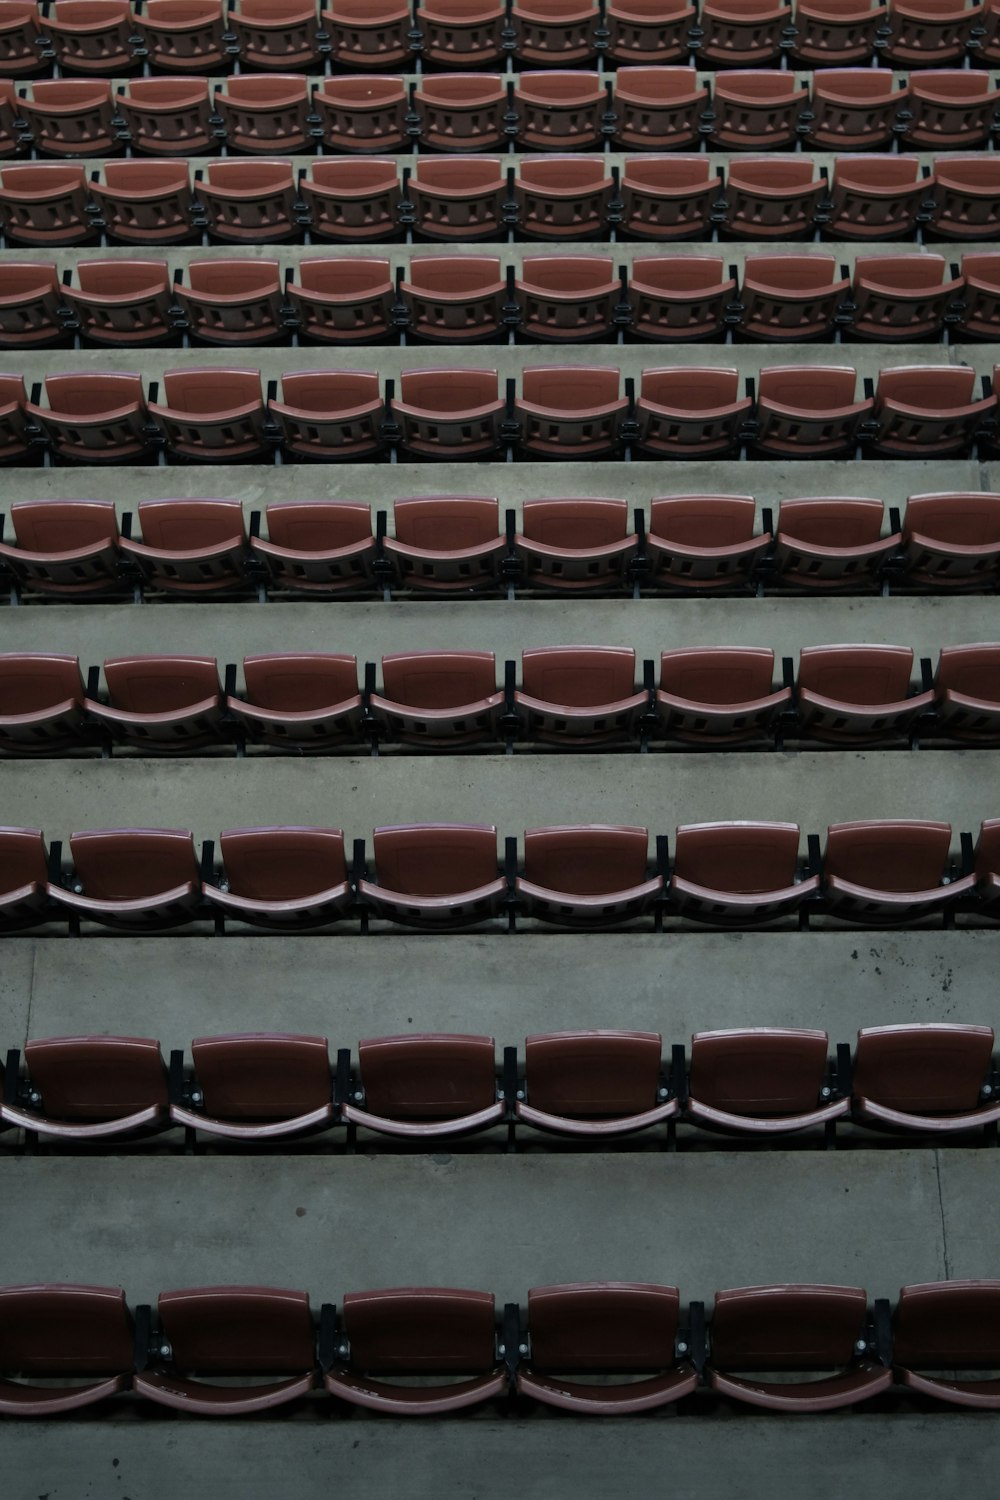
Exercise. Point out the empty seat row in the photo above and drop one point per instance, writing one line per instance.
(576, 696)
(590, 1348)
(453, 546)
(439, 877)
(931, 1081)
(472, 198)
(644, 109)
(465, 299)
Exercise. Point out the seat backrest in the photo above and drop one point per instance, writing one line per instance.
(947, 1325)
(64, 525)
(347, 277)
(65, 1330)
(133, 864)
(283, 864)
(23, 860)
(962, 520)
(687, 390)
(160, 684)
(717, 674)
(586, 860)
(318, 525)
(252, 1330)
(455, 275)
(759, 1071)
(262, 1075)
(703, 520)
(210, 393)
(584, 1074)
(230, 277)
(33, 681)
(249, 178)
(603, 1326)
(96, 1077)
(811, 388)
(933, 1067)
(971, 670)
(449, 392)
(832, 522)
(436, 859)
(119, 278)
(790, 274)
(930, 388)
(424, 1076)
(748, 858)
(89, 394)
(857, 674)
(579, 676)
(575, 524)
(795, 1327)
(886, 855)
(301, 681)
(901, 273)
(458, 175)
(573, 389)
(439, 679)
(330, 392)
(420, 1330)
(678, 274)
(448, 523)
(189, 525)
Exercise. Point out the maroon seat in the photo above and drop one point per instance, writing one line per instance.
(756, 110)
(435, 875)
(613, 1328)
(329, 415)
(63, 547)
(948, 1326)
(121, 303)
(554, 33)
(30, 300)
(422, 1331)
(579, 695)
(877, 198)
(342, 301)
(669, 197)
(677, 298)
(703, 542)
(286, 878)
(931, 1079)
(71, 117)
(456, 198)
(233, 302)
(45, 205)
(300, 701)
(967, 694)
(858, 695)
(575, 545)
(190, 547)
(567, 298)
(351, 201)
(952, 541)
(902, 297)
(41, 702)
(658, 109)
(94, 417)
(257, 1086)
(145, 202)
(250, 202)
(24, 871)
(923, 33)
(70, 1331)
(212, 415)
(273, 34)
(742, 33)
(361, 113)
(446, 543)
(455, 299)
(795, 1328)
(967, 197)
(719, 695)
(425, 1087)
(828, 543)
(836, 33)
(168, 116)
(131, 878)
(563, 197)
(91, 1088)
(92, 36)
(461, 33)
(979, 308)
(809, 411)
(951, 110)
(19, 440)
(462, 111)
(929, 411)
(571, 411)
(648, 32)
(161, 704)
(790, 298)
(562, 111)
(21, 39)
(594, 1085)
(984, 39)
(591, 875)
(185, 36)
(368, 33)
(762, 1081)
(772, 198)
(265, 112)
(891, 871)
(449, 414)
(231, 1331)
(738, 874)
(691, 413)
(318, 546)
(855, 109)
(441, 698)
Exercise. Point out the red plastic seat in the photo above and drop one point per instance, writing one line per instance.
(738, 874)
(554, 33)
(299, 701)
(250, 202)
(93, 36)
(929, 411)
(712, 695)
(979, 308)
(146, 202)
(563, 197)
(449, 414)
(230, 1331)
(418, 1331)
(615, 1328)
(772, 198)
(561, 111)
(375, 34)
(435, 875)
(144, 879)
(669, 197)
(67, 1330)
(233, 302)
(762, 1081)
(425, 1087)
(795, 1328)
(931, 1079)
(63, 547)
(360, 113)
(575, 545)
(925, 33)
(461, 33)
(455, 299)
(828, 543)
(72, 116)
(30, 299)
(462, 111)
(257, 1086)
(677, 298)
(594, 1085)
(790, 298)
(190, 547)
(274, 34)
(446, 543)
(658, 109)
(951, 110)
(343, 301)
(579, 694)
(163, 704)
(24, 872)
(690, 413)
(809, 411)
(756, 110)
(318, 546)
(567, 297)
(265, 112)
(45, 205)
(212, 415)
(890, 871)
(858, 695)
(855, 109)
(443, 698)
(877, 198)
(967, 197)
(456, 198)
(94, 418)
(588, 876)
(948, 1326)
(21, 46)
(902, 297)
(329, 415)
(351, 201)
(41, 702)
(571, 411)
(185, 36)
(952, 541)
(169, 116)
(92, 1088)
(742, 33)
(703, 542)
(283, 878)
(837, 33)
(967, 692)
(648, 32)
(121, 303)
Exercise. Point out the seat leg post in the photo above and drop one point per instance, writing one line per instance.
(190, 1141)
(830, 1135)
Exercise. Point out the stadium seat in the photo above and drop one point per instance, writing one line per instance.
(979, 307)
(575, 545)
(265, 112)
(836, 33)
(931, 1079)
(791, 298)
(571, 411)
(658, 109)
(63, 547)
(455, 299)
(446, 544)
(299, 700)
(858, 695)
(190, 548)
(449, 414)
(594, 1085)
(161, 704)
(351, 202)
(648, 32)
(948, 1326)
(456, 198)
(902, 297)
(756, 110)
(562, 111)
(719, 695)
(91, 1088)
(45, 205)
(423, 1087)
(877, 198)
(92, 37)
(679, 298)
(831, 543)
(762, 1081)
(346, 300)
(368, 34)
(18, 439)
(690, 413)
(273, 34)
(169, 116)
(462, 111)
(579, 695)
(146, 202)
(72, 117)
(703, 542)
(24, 870)
(359, 113)
(434, 875)
(212, 415)
(69, 1331)
(318, 546)
(30, 302)
(258, 1086)
(927, 33)
(587, 876)
(94, 417)
(967, 694)
(967, 197)
(21, 47)
(951, 110)
(566, 298)
(669, 197)
(891, 871)
(251, 202)
(233, 302)
(185, 36)
(440, 698)
(929, 411)
(772, 198)
(554, 33)
(741, 33)
(952, 541)
(855, 109)
(283, 878)
(121, 303)
(458, 34)
(136, 879)
(809, 411)
(41, 702)
(738, 874)
(563, 197)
